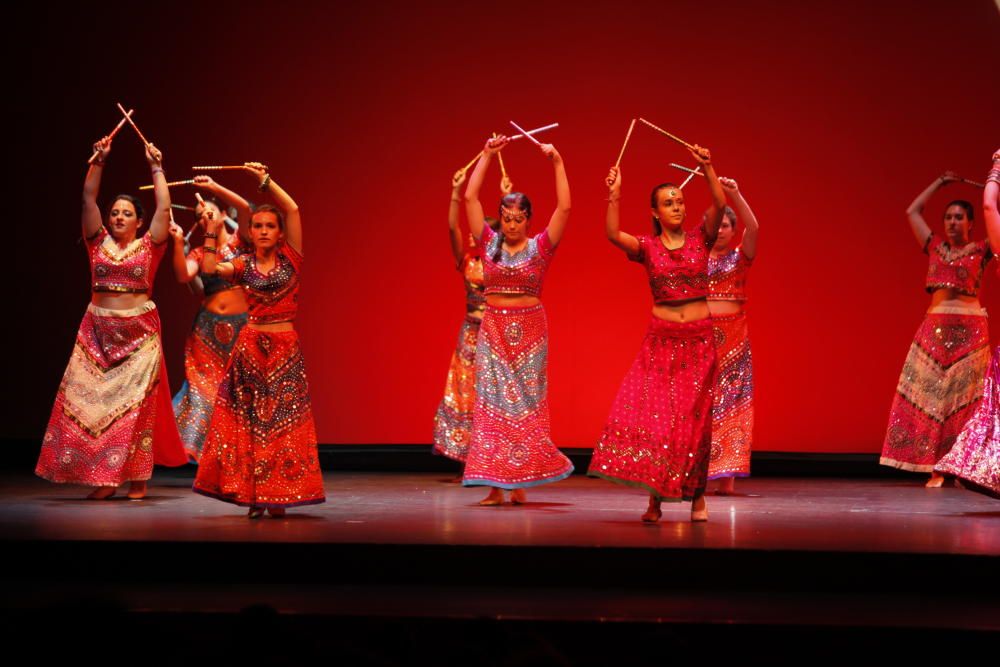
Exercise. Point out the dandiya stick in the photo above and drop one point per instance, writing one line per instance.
(525, 133)
(693, 172)
(471, 162)
(973, 183)
(667, 134)
(529, 133)
(112, 135)
(224, 167)
(503, 170)
(628, 136)
(686, 181)
(132, 123)
(182, 207)
(169, 185)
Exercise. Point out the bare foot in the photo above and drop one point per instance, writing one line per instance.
(726, 487)
(136, 491)
(255, 513)
(518, 497)
(102, 493)
(276, 512)
(653, 512)
(699, 509)
(494, 498)
(936, 481)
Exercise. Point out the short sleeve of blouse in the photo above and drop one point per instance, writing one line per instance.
(931, 243)
(293, 255)
(640, 255)
(196, 255)
(239, 266)
(544, 243)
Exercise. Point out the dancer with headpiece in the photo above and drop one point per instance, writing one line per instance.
(975, 457)
(261, 450)
(942, 379)
(658, 434)
(112, 420)
(511, 447)
(453, 419)
(732, 405)
(222, 314)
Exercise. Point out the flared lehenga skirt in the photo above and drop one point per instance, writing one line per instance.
(206, 354)
(938, 391)
(511, 446)
(732, 403)
(112, 420)
(453, 419)
(658, 435)
(261, 449)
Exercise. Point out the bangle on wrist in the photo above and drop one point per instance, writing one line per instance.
(266, 183)
(210, 249)
(157, 170)
(210, 236)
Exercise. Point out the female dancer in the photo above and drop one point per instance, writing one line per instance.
(975, 458)
(111, 420)
(511, 447)
(453, 419)
(732, 405)
(222, 315)
(261, 446)
(942, 379)
(658, 436)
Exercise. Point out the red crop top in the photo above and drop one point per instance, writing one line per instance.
(727, 276)
(958, 268)
(213, 284)
(676, 275)
(272, 297)
(471, 267)
(123, 271)
(520, 273)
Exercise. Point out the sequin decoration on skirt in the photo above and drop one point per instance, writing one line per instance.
(658, 435)
(111, 420)
(975, 457)
(206, 354)
(939, 389)
(511, 446)
(732, 404)
(453, 419)
(261, 445)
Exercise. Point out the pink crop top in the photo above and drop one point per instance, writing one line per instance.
(958, 268)
(471, 267)
(520, 273)
(676, 275)
(727, 276)
(123, 271)
(272, 297)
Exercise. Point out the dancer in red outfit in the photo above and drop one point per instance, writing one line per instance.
(511, 447)
(658, 435)
(261, 449)
(975, 457)
(112, 419)
(732, 407)
(942, 379)
(222, 316)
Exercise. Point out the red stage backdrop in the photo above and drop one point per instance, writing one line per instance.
(831, 115)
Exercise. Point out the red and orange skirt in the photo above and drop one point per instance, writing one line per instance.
(453, 419)
(732, 403)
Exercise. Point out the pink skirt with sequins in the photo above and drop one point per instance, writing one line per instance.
(658, 435)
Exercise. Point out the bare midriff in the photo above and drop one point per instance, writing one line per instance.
(272, 326)
(949, 297)
(722, 307)
(231, 301)
(691, 310)
(119, 300)
(512, 300)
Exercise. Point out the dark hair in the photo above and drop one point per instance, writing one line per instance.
(727, 212)
(268, 208)
(657, 229)
(518, 199)
(493, 223)
(140, 212)
(969, 211)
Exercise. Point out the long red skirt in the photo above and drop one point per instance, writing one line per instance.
(453, 419)
(112, 419)
(261, 449)
(511, 445)
(658, 435)
(732, 405)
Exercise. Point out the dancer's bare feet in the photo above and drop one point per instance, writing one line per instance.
(936, 481)
(494, 498)
(726, 487)
(136, 491)
(276, 512)
(518, 497)
(699, 509)
(653, 512)
(102, 493)
(255, 513)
